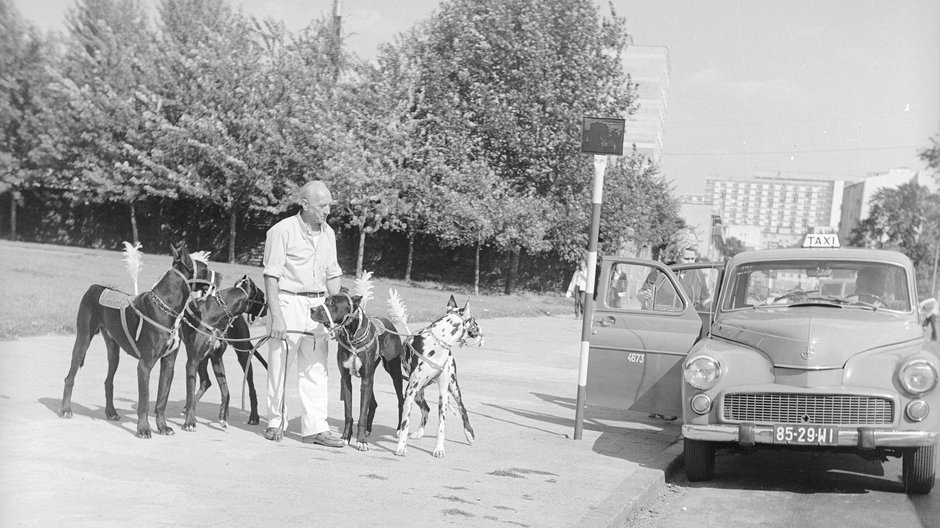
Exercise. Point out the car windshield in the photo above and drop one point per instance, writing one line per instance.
(848, 284)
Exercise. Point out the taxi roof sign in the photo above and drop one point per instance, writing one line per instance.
(816, 240)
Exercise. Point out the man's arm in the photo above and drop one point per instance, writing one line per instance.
(271, 291)
(334, 285)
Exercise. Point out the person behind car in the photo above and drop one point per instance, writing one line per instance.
(577, 288)
(693, 280)
(652, 294)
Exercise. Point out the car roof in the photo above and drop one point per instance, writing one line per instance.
(860, 254)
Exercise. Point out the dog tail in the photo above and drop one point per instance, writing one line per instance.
(396, 310)
(133, 261)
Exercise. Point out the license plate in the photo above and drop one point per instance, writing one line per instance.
(806, 434)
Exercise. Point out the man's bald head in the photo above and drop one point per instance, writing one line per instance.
(315, 200)
(315, 192)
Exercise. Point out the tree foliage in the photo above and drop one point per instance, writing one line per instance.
(905, 219)
(466, 129)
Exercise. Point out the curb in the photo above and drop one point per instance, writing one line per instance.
(637, 490)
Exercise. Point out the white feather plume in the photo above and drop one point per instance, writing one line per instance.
(364, 287)
(133, 261)
(201, 256)
(396, 309)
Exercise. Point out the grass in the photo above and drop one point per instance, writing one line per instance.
(42, 285)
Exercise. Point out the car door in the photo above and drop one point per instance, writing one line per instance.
(643, 326)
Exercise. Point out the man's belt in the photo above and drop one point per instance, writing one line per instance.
(305, 294)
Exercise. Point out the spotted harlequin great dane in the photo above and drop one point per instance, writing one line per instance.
(429, 358)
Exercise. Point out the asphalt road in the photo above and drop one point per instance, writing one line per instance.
(789, 489)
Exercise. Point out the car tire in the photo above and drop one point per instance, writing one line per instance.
(917, 470)
(699, 460)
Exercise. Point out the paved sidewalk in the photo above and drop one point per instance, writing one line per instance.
(524, 469)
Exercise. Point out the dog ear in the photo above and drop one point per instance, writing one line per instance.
(174, 251)
(451, 304)
(356, 299)
(343, 289)
(466, 307)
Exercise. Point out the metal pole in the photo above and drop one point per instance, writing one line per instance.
(600, 165)
(337, 36)
(337, 16)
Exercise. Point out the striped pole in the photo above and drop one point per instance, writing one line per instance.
(600, 165)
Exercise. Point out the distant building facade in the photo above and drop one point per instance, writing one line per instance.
(648, 67)
(781, 207)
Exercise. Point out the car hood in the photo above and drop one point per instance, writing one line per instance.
(815, 337)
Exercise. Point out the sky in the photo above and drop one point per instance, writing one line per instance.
(834, 89)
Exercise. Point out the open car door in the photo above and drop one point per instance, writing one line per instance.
(644, 325)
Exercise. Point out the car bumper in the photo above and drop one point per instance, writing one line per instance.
(861, 437)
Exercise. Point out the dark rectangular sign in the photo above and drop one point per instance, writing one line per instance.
(602, 135)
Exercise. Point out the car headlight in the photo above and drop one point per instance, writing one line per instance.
(702, 372)
(918, 376)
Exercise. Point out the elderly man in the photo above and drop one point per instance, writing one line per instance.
(300, 270)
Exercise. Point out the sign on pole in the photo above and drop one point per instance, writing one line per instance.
(602, 137)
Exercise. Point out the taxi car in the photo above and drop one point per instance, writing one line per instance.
(816, 348)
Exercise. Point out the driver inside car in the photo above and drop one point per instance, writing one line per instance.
(871, 286)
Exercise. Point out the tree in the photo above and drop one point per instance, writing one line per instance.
(733, 246)
(97, 136)
(906, 219)
(246, 102)
(507, 84)
(931, 155)
(638, 206)
(23, 59)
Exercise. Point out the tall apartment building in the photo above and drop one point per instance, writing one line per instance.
(648, 67)
(784, 207)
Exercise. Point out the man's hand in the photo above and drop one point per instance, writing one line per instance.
(644, 295)
(278, 328)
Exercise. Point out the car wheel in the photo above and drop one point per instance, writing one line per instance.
(917, 470)
(699, 460)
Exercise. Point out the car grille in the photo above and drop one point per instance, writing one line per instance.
(783, 407)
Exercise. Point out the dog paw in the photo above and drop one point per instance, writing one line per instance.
(417, 434)
(469, 434)
(224, 425)
(401, 451)
(145, 433)
(190, 427)
(166, 430)
(65, 413)
(438, 452)
(362, 446)
(253, 420)
(112, 415)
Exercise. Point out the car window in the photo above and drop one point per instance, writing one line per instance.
(851, 284)
(639, 287)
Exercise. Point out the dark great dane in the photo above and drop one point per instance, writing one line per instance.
(146, 327)
(363, 342)
(207, 321)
